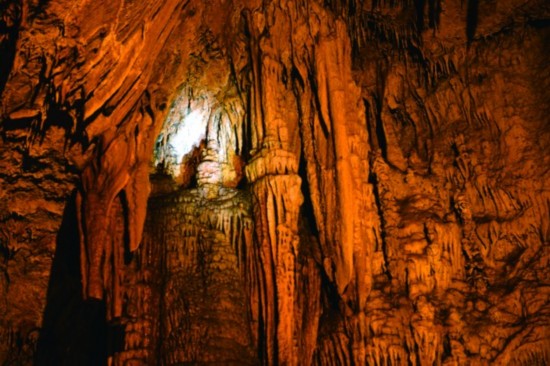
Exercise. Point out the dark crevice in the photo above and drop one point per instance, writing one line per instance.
(380, 134)
(434, 11)
(128, 255)
(307, 211)
(420, 6)
(10, 19)
(323, 123)
(74, 331)
(471, 20)
(369, 114)
(374, 181)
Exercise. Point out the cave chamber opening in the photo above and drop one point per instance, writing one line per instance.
(192, 262)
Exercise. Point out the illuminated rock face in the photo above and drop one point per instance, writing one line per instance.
(191, 307)
(371, 187)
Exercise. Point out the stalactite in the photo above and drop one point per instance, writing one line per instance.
(354, 243)
(101, 183)
(392, 202)
(203, 271)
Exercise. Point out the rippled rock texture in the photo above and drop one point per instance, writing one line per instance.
(370, 184)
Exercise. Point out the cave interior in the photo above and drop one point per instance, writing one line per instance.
(246, 182)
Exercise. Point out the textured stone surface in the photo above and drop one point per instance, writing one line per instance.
(187, 293)
(388, 161)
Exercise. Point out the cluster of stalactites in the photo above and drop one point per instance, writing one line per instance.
(121, 121)
(306, 103)
(202, 142)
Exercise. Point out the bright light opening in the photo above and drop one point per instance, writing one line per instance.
(188, 134)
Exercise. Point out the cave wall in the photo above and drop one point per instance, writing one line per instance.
(395, 153)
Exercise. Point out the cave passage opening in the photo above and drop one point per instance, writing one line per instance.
(200, 145)
(189, 134)
(181, 140)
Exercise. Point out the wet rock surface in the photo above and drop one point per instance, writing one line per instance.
(191, 307)
(371, 188)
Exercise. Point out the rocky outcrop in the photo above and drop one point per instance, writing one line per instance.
(186, 287)
(371, 188)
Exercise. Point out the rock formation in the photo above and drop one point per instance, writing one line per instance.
(368, 185)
